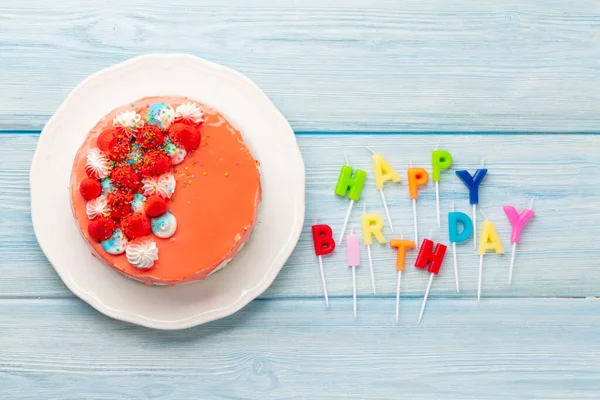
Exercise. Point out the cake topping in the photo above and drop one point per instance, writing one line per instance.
(107, 185)
(90, 188)
(160, 115)
(142, 253)
(119, 204)
(129, 120)
(97, 165)
(137, 205)
(136, 225)
(163, 186)
(101, 228)
(165, 226)
(97, 208)
(177, 154)
(119, 147)
(189, 113)
(155, 206)
(155, 163)
(135, 155)
(150, 137)
(105, 138)
(125, 178)
(116, 243)
(186, 136)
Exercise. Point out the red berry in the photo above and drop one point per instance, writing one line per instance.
(90, 188)
(125, 178)
(187, 136)
(119, 147)
(150, 137)
(119, 204)
(155, 163)
(105, 138)
(101, 228)
(155, 206)
(136, 225)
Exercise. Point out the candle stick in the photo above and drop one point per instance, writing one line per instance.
(350, 182)
(489, 240)
(472, 183)
(371, 227)
(434, 258)
(353, 260)
(454, 219)
(324, 244)
(401, 245)
(517, 222)
(440, 159)
(416, 177)
(384, 172)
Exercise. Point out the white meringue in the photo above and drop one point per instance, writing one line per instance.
(142, 253)
(164, 226)
(97, 207)
(128, 119)
(97, 165)
(163, 186)
(189, 112)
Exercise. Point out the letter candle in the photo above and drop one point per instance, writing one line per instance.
(371, 226)
(517, 222)
(454, 219)
(472, 183)
(489, 240)
(416, 177)
(349, 182)
(432, 257)
(383, 172)
(353, 260)
(440, 159)
(401, 245)
(324, 244)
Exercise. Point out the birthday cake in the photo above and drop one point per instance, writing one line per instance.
(165, 190)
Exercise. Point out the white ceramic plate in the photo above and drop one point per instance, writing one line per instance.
(281, 214)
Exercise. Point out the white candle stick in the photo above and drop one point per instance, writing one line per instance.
(455, 261)
(475, 217)
(398, 295)
(387, 211)
(323, 281)
(514, 248)
(341, 239)
(354, 288)
(480, 276)
(398, 288)
(370, 259)
(425, 298)
(474, 226)
(512, 262)
(414, 204)
(437, 201)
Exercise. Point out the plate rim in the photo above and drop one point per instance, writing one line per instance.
(198, 319)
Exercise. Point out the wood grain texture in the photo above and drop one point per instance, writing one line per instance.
(555, 257)
(469, 65)
(498, 349)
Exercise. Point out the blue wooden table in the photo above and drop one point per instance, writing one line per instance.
(514, 82)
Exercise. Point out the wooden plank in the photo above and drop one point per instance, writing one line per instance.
(555, 257)
(466, 65)
(293, 349)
